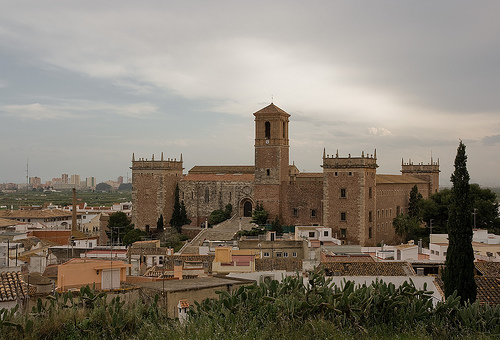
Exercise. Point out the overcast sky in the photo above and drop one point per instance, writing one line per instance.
(84, 84)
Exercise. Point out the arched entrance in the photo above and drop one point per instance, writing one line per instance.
(247, 209)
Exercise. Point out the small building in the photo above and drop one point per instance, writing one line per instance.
(196, 289)
(228, 260)
(102, 274)
(38, 284)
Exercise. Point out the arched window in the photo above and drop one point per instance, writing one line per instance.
(268, 130)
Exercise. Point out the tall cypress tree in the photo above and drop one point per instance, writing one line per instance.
(176, 220)
(459, 272)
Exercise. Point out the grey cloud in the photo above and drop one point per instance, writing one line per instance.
(491, 140)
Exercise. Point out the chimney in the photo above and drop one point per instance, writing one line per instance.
(178, 269)
(73, 218)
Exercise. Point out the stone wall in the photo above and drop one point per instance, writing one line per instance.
(153, 191)
(302, 197)
(286, 264)
(203, 197)
(393, 198)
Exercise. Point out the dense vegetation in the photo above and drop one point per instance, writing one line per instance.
(62, 198)
(291, 309)
(219, 215)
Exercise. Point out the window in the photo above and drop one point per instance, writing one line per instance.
(312, 234)
(370, 218)
(336, 173)
(313, 212)
(295, 212)
(343, 232)
(350, 173)
(285, 254)
(378, 213)
(325, 233)
(294, 254)
(268, 130)
(343, 193)
(268, 172)
(343, 216)
(266, 254)
(370, 192)
(370, 232)
(278, 254)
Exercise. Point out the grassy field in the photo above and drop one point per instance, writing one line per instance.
(37, 198)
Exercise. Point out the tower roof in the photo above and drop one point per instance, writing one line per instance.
(271, 109)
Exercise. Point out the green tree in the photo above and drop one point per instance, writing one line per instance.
(276, 226)
(485, 207)
(179, 214)
(435, 208)
(414, 203)
(132, 236)
(405, 225)
(228, 210)
(176, 220)
(459, 272)
(184, 218)
(259, 215)
(159, 223)
(484, 202)
(216, 217)
(118, 226)
(103, 187)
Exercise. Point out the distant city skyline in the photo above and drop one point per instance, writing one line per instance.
(84, 85)
(67, 179)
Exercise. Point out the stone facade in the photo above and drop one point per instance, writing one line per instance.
(204, 193)
(348, 196)
(153, 190)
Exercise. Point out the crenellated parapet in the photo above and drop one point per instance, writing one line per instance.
(161, 164)
(335, 162)
(420, 168)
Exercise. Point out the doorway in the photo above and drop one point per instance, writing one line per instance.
(247, 209)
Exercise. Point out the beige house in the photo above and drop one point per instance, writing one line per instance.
(103, 274)
(228, 260)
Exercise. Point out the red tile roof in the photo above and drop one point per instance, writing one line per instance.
(12, 286)
(271, 109)
(399, 179)
(219, 177)
(369, 268)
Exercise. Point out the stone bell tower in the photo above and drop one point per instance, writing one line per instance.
(271, 159)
